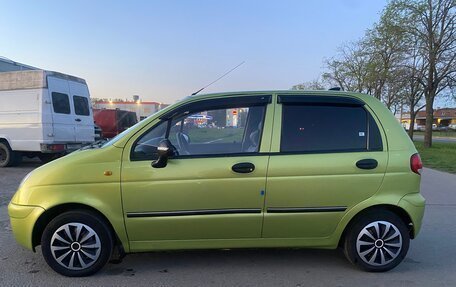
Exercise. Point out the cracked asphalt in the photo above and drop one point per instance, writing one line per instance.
(431, 260)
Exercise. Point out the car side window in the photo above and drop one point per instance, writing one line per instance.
(146, 147)
(60, 103)
(218, 131)
(326, 128)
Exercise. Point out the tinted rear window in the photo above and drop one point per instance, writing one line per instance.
(60, 103)
(81, 105)
(313, 128)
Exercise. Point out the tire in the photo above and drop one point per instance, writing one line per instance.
(365, 248)
(7, 156)
(77, 243)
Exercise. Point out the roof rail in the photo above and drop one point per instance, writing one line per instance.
(336, 89)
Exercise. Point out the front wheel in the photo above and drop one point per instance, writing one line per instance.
(77, 243)
(8, 157)
(377, 241)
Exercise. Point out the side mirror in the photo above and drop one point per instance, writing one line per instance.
(164, 150)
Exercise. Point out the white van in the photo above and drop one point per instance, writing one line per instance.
(42, 114)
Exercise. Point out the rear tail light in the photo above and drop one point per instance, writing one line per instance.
(52, 147)
(415, 163)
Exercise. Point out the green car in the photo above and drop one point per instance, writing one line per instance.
(322, 169)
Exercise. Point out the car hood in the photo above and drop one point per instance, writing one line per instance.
(80, 167)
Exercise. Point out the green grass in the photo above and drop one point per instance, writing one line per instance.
(227, 135)
(450, 134)
(441, 156)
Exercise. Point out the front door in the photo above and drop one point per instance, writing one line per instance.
(214, 187)
(327, 156)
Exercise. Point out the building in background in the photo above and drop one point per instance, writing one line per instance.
(443, 118)
(142, 109)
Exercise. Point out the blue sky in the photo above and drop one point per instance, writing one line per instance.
(165, 50)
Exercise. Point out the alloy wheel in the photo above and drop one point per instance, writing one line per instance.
(75, 246)
(379, 243)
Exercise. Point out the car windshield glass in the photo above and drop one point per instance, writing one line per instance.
(119, 136)
(122, 134)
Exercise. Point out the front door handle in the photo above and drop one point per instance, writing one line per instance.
(78, 120)
(243, 167)
(368, 163)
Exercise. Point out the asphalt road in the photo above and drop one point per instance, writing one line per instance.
(436, 139)
(431, 260)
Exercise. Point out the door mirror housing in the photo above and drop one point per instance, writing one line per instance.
(165, 150)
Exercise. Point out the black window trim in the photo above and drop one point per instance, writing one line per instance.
(309, 100)
(333, 101)
(219, 103)
(198, 106)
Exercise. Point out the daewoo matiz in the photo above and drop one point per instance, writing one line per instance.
(320, 169)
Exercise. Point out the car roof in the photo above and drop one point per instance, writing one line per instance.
(297, 92)
(364, 97)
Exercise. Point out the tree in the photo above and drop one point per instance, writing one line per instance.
(385, 46)
(315, 85)
(349, 69)
(413, 72)
(432, 22)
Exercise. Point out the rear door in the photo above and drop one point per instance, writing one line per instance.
(84, 127)
(62, 116)
(328, 155)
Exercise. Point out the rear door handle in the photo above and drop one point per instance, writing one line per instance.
(243, 167)
(78, 120)
(368, 163)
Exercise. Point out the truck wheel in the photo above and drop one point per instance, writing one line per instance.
(377, 242)
(77, 243)
(7, 156)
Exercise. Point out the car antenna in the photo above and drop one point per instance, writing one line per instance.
(219, 78)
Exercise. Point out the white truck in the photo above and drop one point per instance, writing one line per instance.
(44, 114)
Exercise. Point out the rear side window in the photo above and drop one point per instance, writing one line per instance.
(81, 106)
(326, 128)
(60, 103)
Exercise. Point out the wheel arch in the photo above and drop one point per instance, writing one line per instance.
(4, 139)
(399, 211)
(51, 213)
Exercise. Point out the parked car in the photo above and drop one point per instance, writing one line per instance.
(113, 122)
(42, 114)
(286, 176)
(452, 126)
(420, 128)
(443, 128)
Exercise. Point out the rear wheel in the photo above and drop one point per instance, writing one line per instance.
(77, 243)
(7, 156)
(377, 241)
